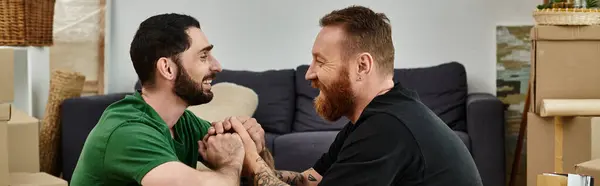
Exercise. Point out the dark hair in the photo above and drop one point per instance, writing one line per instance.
(366, 31)
(159, 36)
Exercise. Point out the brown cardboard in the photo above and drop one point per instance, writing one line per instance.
(551, 180)
(581, 143)
(35, 179)
(3, 153)
(23, 143)
(5, 109)
(564, 63)
(7, 75)
(590, 168)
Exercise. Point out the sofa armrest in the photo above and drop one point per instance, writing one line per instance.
(485, 126)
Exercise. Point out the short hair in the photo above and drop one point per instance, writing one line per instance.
(162, 35)
(366, 31)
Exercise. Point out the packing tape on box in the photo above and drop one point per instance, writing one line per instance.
(570, 107)
(558, 144)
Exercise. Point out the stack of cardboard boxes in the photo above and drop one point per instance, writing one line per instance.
(19, 136)
(565, 65)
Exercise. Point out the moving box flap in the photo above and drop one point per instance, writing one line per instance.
(565, 33)
(20, 117)
(590, 168)
(5, 111)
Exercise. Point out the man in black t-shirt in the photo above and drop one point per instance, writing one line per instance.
(392, 139)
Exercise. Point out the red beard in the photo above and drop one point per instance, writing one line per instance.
(335, 100)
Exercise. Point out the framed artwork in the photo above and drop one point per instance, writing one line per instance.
(513, 54)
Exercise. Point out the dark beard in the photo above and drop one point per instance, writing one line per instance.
(338, 99)
(188, 90)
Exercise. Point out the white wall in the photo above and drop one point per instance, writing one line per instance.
(275, 34)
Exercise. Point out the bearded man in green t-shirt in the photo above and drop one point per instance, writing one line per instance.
(149, 138)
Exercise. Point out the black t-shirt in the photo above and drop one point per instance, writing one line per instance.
(397, 141)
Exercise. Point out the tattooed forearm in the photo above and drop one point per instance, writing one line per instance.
(265, 176)
(268, 158)
(292, 178)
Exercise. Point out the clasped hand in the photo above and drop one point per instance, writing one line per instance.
(227, 141)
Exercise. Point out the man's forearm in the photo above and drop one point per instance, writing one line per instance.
(290, 177)
(265, 176)
(228, 175)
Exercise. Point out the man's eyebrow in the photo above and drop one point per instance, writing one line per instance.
(207, 48)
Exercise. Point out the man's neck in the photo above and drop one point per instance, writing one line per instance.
(368, 96)
(168, 106)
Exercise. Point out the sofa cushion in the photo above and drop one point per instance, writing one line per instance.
(307, 118)
(299, 151)
(276, 95)
(443, 88)
(229, 100)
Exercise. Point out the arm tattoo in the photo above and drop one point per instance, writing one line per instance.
(311, 178)
(289, 177)
(266, 176)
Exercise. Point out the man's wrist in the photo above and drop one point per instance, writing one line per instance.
(255, 164)
(232, 170)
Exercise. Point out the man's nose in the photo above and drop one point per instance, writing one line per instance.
(310, 74)
(216, 65)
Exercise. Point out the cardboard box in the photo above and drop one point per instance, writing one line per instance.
(3, 153)
(5, 109)
(35, 179)
(564, 64)
(23, 143)
(7, 62)
(590, 168)
(581, 143)
(555, 179)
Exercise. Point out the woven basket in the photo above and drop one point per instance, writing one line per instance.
(566, 16)
(26, 22)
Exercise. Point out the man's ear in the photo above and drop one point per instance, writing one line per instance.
(166, 68)
(365, 65)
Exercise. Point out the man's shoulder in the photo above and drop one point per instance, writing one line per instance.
(382, 121)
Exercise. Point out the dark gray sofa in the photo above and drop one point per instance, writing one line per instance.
(297, 136)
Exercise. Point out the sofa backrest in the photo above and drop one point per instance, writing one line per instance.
(443, 88)
(276, 96)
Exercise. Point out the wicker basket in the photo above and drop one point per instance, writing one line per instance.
(26, 22)
(567, 16)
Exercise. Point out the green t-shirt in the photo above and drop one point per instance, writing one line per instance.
(131, 139)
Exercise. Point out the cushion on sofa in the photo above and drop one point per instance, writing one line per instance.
(307, 118)
(443, 88)
(276, 92)
(229, 100)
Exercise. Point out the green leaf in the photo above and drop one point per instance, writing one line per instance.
(591, 3)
